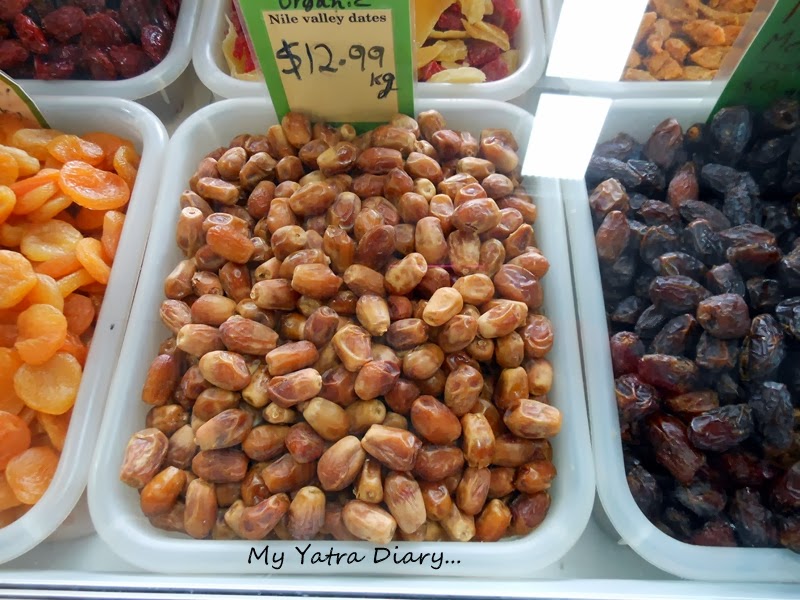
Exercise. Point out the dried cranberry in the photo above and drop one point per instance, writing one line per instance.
(450, 20)
(64, 23)
(162, 18)
(89, 6)
(99, 65)
(11, 8)
(12, 54)
(129, 60)
(30, 35)
(155, 42)
(135, 15)
(496, 70)
(43, 7)
(429, 70)
(101, 30)
(45, 68)
(481, 52)
(173, 6)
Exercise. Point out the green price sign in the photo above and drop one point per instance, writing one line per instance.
(14, 100)
(335, 60)
(770, 68)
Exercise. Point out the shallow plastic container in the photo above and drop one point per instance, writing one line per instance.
(127, 119)
(551, 9)
(211, 68)
(115, 507)
(639, 118)
(161, 89)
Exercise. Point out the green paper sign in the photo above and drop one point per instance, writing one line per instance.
(14, 100)
(339, 61)
(770, 69)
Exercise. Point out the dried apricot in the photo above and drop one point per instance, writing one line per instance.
(74, 346)
(45, 292)
(113, 222)
(55, 426)
(79, 311)
(9, 363)
(126, 164)
(59, 266)
(35, 199)
(8, 499)
(22, 187)
(7, 202)
(8, 335)
(29, 474)
(9, 170)
(16, 437)
(43, 241)
(34, 141)
(16, 278)
(11, 122)
(50, 209)
(74, 281)
(90, 220)
(51, 387)
(89, 252)
(93, 188)
(66, 147)
(12, 514)
(27, 164)
(42, 331)
(110, 143)
(11, 233)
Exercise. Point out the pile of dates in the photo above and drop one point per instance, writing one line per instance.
(357, 349)
(698, 239)
(84, 39)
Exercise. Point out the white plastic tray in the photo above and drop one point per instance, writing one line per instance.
(551, 9)
(212, 69)
(126, 119)
(115, 508)
(159, 88)
(639, 118)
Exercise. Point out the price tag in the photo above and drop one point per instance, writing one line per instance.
(335, 60)
(770, 68)
(15, 102)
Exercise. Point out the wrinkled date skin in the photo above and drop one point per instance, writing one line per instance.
(360, 341)
(698, 241)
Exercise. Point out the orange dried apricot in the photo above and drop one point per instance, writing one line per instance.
(74, 281)
(52, 208)
(93, 188)
(22, 187)
(43, 241)
(59, 266)
(55, 426)
(29, 474)
(16, 278)
(11, 122)
(44, 292)
(8, 335)
(42, 331)
(34, 141)
(7, 202)
(65, 148)
(8, 499)
(11, 233)
(110, 143)
(74, 346)
(50, 387)
(27, 164)
(126, 164)
(16, 436)
(113, 222)
(9, 170)
(89, 252)
(80, 313)
(35, 199)
(90, 220)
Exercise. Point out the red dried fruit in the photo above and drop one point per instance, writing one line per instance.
(429, 70)
(673, 450)
(12, 54)
(506, 15)
(11, 8)
(45, 68)
(155, 42)
(134, 15)
(129, 60)
(30, 35)
(451, 19)
(100, 29)
(99, 65)
(481, 52)
(64, 23)
(496, 70)
(90, 6)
